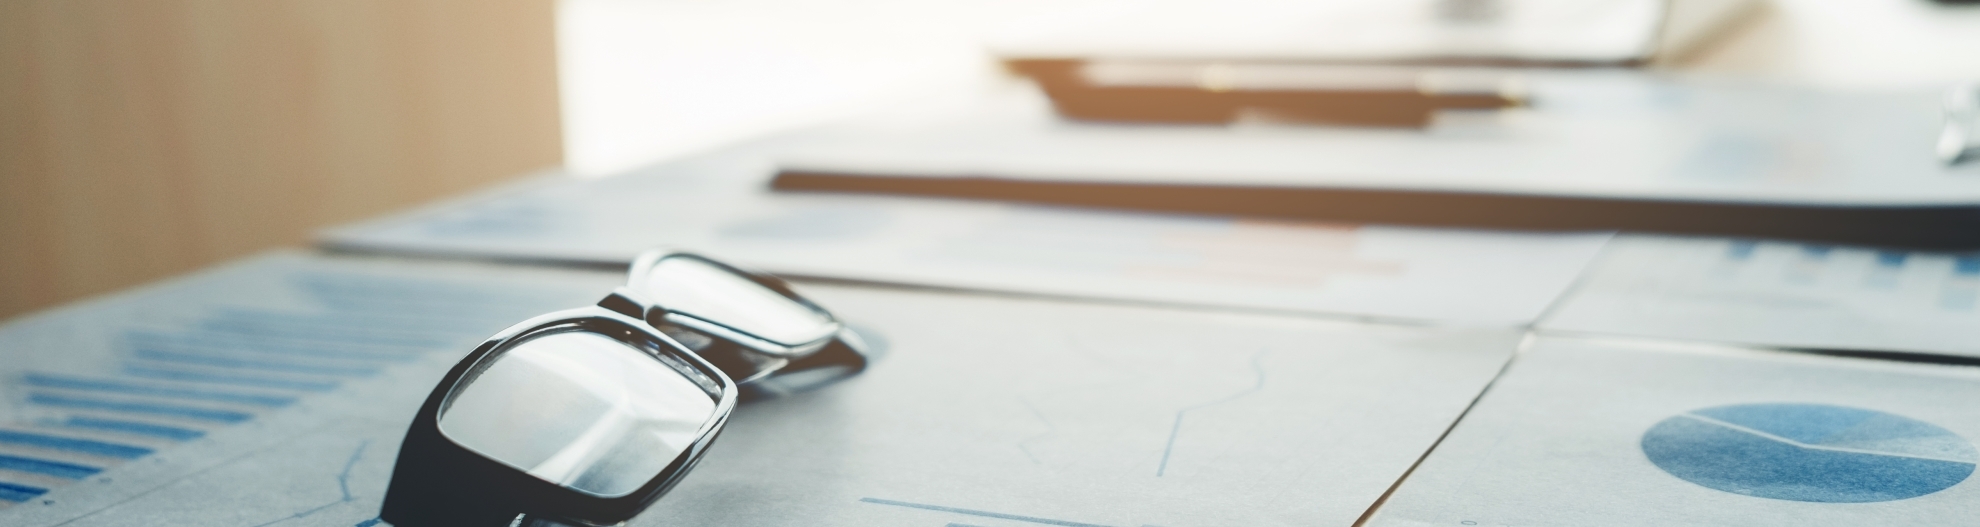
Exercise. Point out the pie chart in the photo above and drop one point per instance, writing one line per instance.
(1809, 452)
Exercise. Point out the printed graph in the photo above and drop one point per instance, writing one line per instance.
(177, 382)
(1810, 452)
(1937, 281)
(1851, 299)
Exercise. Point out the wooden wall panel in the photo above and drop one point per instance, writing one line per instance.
(144, 138)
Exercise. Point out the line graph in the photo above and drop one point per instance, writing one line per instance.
(1025, 445)
(343, 486)
(1257, 367)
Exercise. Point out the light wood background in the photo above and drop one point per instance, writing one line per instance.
(146, 138)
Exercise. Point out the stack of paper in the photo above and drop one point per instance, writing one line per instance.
(993, 410)
(716, 205)
(1607, 150)
(981, 410)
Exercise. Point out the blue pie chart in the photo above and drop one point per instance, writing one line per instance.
(1809, 452)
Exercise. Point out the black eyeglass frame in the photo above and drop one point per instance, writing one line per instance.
(746, 357)
(438, 482)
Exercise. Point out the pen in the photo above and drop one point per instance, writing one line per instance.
(1222, 92)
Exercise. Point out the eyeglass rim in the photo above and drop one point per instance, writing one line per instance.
(429, 450)
(643, 265)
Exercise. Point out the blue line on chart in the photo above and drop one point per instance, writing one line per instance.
(465, 302)
(1967, 265)
(237, 380)
(103, 385)
(290, 340)
(439, 308)
(985, 514)
(46, 467)
(343, 485)
(424, 289)
(319, 334)
(396, 322)
(71, 444)
(373, 320)
(1023, 446)
(133, 427)
(245, 364)
(19, 493)
(205, 414)
(1257, 366)
(157, 340)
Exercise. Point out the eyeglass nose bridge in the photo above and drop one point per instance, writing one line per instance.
(739, 355)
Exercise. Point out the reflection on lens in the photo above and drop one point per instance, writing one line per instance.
(709, 292)
(580, 410)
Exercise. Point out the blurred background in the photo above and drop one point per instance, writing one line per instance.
(145, 138)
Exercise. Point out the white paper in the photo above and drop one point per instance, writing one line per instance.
(716, 205)
(1093, 415)
(1608, 135)
(981, 411)
(1779, 294)
(1586, 432)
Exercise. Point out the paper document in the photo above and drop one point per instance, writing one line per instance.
(1598, 135)
(717, 205)
(1004, 412)
(980, 410)
(1586, 432)
(269, 391)
(1780, 294)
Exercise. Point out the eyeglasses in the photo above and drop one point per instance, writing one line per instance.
(588, 415)
(749, 324)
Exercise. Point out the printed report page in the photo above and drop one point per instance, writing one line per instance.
(1625, 433)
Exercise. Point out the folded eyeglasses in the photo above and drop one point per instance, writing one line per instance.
(586, 416)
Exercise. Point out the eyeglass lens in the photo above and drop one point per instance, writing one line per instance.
(580, 410)
(696, 287)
